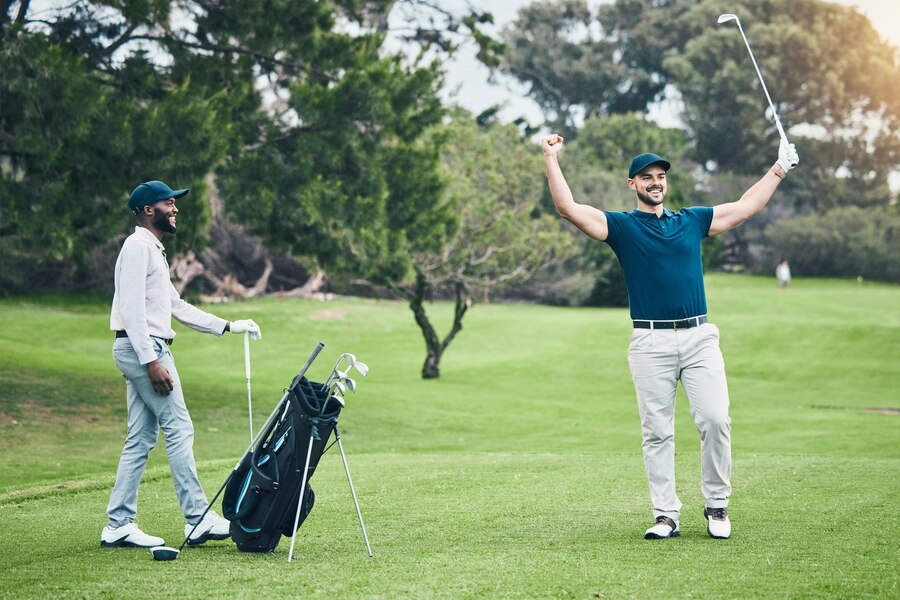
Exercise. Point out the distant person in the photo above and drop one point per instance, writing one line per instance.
(672, 340)
(143, 306)
(783, 273)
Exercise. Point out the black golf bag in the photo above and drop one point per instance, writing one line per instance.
(262, 496)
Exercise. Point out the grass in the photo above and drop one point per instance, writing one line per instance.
(517, 474)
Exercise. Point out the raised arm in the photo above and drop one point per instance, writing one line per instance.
(588, 219)
(732, 214)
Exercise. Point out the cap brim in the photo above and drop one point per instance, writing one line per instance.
(176, 194)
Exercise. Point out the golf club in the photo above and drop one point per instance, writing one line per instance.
(164, 553)
(247, 370)
(730, 17)
(362, 367)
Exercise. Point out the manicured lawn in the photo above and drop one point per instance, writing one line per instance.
(517, 474)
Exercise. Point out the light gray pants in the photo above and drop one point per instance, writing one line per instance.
(659, 358)
(147, 412)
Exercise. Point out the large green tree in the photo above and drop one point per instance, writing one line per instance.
(295, 104)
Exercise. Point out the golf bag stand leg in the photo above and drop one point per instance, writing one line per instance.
(302, 493)
(337, 436)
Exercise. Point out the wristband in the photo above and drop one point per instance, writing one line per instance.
(778, 171)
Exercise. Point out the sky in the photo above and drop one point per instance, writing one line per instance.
(468, 85)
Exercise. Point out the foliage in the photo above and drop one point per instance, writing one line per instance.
(296, 105)
(627, 54)
(854, 104)
(847, 242)
(74, 141)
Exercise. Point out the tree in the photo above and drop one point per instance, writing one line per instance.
(580, 63)
(77, 133)
(853, 105)
(98, 96)
(494, 182)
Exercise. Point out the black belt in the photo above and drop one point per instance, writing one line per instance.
(120, 333)
(682, 324)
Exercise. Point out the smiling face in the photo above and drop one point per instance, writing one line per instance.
(162, 216)
(650, 187)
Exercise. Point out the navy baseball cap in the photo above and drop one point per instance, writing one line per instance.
(151, 192)
(642, 161)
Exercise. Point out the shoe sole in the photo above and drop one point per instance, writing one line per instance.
(709, 532)
(207, 537)
(656, 536)
(123, 544)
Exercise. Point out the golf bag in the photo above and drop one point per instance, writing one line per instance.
(262, 496)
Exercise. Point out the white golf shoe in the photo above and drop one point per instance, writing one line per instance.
(719, 525)
(665, 527)
(128, 536)
(212, 527)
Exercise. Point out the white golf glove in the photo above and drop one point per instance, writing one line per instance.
(246, 326)
(787, 156)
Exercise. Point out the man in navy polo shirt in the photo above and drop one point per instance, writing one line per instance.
(659, 251)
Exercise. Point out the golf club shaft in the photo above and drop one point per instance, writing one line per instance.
(778, 124)
(247, 370)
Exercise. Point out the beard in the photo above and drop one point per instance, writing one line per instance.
(649, 200)
(161, 222)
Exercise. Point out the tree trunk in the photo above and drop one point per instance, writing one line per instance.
(433, 345)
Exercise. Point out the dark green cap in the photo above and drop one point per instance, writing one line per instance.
(642, 161)
(151, 192)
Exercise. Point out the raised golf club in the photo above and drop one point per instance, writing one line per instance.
(730, 17)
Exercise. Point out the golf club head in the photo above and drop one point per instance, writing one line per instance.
(163, 553)
(351, 385)
(339, 385)
(339, 400)
(727, 17)
(362, 367)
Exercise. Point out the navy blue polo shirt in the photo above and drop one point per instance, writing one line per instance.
(661, 259)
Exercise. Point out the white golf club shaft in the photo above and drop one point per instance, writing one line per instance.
(778, 124)
(247, 371)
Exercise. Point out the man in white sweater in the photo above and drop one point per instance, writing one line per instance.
(143, 306)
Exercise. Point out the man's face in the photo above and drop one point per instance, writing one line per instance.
(650, 185)
(163, 217)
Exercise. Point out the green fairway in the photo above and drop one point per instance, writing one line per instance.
(517, 474)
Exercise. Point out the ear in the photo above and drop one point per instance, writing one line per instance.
(631, 185)
(148, 210)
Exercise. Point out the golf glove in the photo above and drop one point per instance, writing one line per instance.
(246, 326)
(787, 156)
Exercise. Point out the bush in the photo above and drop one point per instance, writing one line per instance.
(843, 242)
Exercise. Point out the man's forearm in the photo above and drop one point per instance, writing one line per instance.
(559, 188)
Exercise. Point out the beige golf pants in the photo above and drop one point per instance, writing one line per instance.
(659, 358)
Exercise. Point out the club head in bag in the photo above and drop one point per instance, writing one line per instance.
(351, 385)
(362, 367)
(337, 384)
(164, 553)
